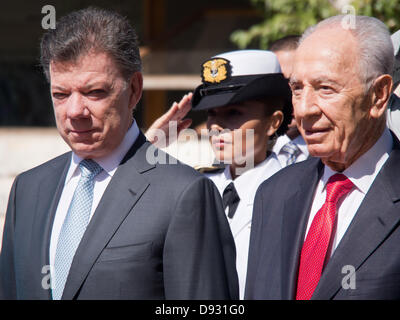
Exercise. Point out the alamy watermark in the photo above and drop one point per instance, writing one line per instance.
(236, 146)
(49, 20)
(349, 20)
(47, 281)
(349, 280)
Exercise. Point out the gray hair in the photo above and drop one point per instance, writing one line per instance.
(374, 44)
(92, 29)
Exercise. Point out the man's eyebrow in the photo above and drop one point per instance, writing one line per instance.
(87, 86)
(316, 80)
(102, 84)
(56, 87)
(323, 80)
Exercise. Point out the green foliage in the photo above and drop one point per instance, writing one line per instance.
(387, 11)
(284, 17)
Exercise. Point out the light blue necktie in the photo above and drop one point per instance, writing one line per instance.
(74, 225)
(292, 151)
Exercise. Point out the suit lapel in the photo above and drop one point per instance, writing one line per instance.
(295, 218)
(122, 193)
(50, 188)
(374, 220)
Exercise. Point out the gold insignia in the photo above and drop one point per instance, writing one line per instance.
(210, 169)
(216, 70)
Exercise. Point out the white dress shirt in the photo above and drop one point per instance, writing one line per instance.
(362, 173)
(246, 186)
(109, 164)
(298, 141)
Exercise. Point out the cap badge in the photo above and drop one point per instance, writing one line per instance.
(216, 70)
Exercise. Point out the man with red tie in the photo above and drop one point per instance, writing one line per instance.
(328, 227)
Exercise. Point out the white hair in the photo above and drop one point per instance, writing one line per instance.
(374, 44)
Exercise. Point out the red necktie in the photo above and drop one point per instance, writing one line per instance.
(318, 238)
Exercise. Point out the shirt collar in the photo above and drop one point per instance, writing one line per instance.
(282, 140)
(247, 183)
(110, 162)
(364, 170)
(299, 141)
(279, 143)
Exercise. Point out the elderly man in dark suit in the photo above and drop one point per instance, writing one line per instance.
(102, 222)
(328, 228)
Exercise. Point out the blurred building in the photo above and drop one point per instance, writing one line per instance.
(175, 37)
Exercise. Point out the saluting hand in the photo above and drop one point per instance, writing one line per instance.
(176, 113)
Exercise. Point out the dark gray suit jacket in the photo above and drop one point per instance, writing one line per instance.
(159, 232)
(371, 244)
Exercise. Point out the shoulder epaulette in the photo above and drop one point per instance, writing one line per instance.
(210, 169)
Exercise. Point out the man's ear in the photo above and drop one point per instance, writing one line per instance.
(136, 85)
(275, 121)
(381, 90)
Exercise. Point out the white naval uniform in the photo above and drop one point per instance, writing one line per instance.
(246, 186)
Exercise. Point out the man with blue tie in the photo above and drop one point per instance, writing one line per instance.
(328, 227)
(106, 222)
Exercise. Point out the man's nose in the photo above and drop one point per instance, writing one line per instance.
(214, 125)
(77, 107)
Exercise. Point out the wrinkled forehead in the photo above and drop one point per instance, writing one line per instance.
(89, 67)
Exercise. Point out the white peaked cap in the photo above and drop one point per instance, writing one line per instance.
(244, 75)
(238, 76)
(262, 62)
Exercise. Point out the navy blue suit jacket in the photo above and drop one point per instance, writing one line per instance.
(159, 232)
(371, 244)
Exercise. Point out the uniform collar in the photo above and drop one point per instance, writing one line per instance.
(247, 183)
(280, 142)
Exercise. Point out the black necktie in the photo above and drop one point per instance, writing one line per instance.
(231, 199)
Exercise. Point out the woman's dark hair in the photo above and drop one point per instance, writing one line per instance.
(273, 104)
